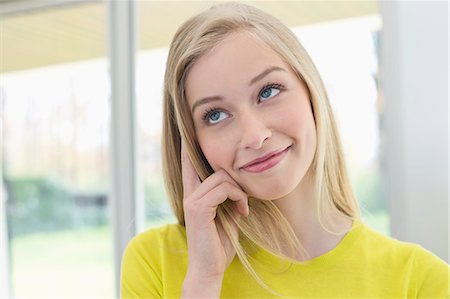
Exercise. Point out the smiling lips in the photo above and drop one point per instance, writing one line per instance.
(266, 162)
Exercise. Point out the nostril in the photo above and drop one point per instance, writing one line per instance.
(255, 139)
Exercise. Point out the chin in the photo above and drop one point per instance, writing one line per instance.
(269, 197)
(271, 191)
(276, 188)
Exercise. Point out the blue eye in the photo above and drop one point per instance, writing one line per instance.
(269, 92)
(214, 116)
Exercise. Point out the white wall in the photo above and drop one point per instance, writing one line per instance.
(414, 80)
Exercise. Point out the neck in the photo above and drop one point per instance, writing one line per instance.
(299, 208)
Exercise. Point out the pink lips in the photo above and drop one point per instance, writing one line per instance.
(266, 162)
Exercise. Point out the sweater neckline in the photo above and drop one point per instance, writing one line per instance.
(264, 257)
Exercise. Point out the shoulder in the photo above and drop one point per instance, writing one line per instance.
(146, 255)
(412, 262)
(392, 246)
(377, 251)
(151, 240)
(385, 245)
(166, 233)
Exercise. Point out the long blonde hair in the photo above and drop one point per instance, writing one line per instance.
(265, 226)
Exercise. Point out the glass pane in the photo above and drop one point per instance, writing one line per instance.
(341, 38)
(345, 52)
(55, 93)
(150, 67)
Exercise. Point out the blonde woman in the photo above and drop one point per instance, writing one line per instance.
(256, 176)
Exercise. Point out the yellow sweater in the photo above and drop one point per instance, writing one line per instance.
(365, 264)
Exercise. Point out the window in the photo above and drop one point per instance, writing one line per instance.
(55, 91)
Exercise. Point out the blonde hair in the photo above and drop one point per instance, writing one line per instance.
(265, 226)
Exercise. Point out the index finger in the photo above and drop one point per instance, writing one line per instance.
(191, 181)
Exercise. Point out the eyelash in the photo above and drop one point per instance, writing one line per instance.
(271, 85)
(209, 111)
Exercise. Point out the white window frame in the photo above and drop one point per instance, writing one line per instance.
(126, 192)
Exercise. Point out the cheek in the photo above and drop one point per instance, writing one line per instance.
(296, 119)
(308, 137)
(216, 150)
(299, 123)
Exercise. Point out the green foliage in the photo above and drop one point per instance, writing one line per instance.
(45, 205)
(37, 204)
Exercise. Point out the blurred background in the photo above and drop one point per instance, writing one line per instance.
(81, 113)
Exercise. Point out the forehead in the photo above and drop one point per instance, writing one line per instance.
(233, 62)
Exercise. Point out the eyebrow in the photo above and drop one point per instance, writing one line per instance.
(253, 81)
(265, 73)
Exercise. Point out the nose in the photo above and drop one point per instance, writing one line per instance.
(254, 131)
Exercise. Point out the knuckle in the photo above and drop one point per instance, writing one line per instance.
(221, 189)
(226, 176)
(221, 174)
(227, 186)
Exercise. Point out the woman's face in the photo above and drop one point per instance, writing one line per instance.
(246, 104)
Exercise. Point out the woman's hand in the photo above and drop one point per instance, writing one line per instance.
(209, 249)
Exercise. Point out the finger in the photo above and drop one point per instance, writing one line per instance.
(213, 181)
(190, 178)
(226, 191)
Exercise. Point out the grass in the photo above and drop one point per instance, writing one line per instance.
(67, 264)
(75, 263)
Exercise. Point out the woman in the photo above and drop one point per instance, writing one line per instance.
(255, 173)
